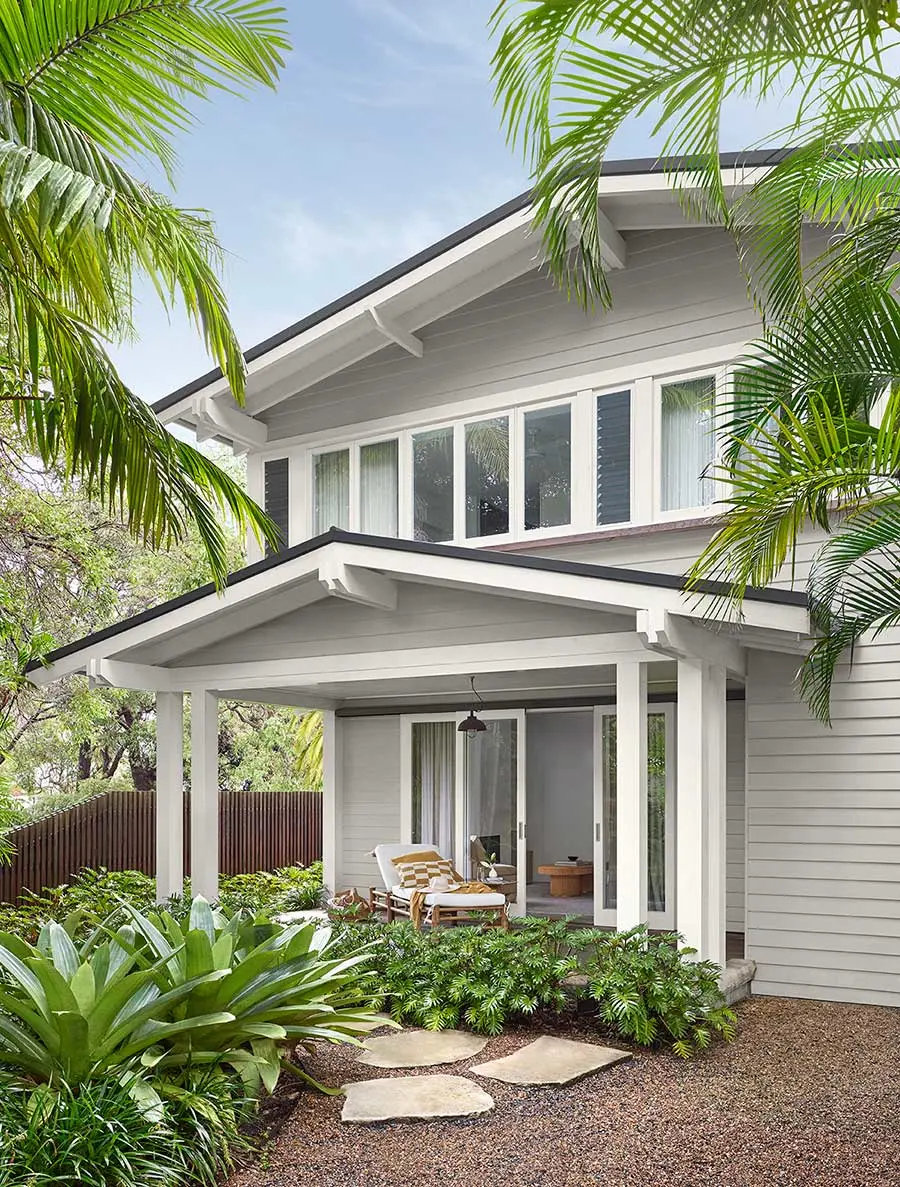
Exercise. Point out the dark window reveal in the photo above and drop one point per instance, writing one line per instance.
(276, 499)
(614, 458)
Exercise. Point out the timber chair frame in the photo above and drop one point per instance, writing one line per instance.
(396, 906)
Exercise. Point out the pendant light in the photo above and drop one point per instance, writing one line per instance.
(472, 725)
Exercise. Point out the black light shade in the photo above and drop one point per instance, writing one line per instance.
(471, 725)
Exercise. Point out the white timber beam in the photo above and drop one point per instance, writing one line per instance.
(205, 795)
(216, 419)
(700, 814)
(169, 795)
(612, 246)
(679, 638)
(631, 795)
(111, 673)
(354, 584)
(393, 333)
(332, 798)
(516, 655)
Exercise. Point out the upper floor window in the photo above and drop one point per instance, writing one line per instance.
(332, 490)
(547, 467)
(688, 443)
(433, 501)
(379, 488)
(276, 492)
(613, 422)
(487, 477)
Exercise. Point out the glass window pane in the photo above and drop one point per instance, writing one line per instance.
(614, 457)
(688, 443)
(487, 477)
(548, 467)
(433, 783)
(332, 490)
(378, 488)
(491, 784)
(656, 811)
(433, 485)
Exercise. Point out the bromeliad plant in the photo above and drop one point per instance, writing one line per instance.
(161, 1000)
(651, 991)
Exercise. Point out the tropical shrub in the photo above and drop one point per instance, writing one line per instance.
(484, 978)
(160, 998)
(94, 895)
(651, 991)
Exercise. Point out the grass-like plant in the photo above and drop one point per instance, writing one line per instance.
(651, 991)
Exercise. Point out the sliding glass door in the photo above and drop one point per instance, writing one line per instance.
(465, 794)
(660, 816)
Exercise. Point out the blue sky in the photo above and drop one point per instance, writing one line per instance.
(380, 139)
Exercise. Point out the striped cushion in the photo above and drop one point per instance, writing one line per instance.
(418, 872)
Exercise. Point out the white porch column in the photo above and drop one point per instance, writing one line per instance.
(332, 798)
(169, 794)
(700, 808)
(631, 795)
(205, 794)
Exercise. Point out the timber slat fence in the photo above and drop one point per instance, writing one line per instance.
(257, 831)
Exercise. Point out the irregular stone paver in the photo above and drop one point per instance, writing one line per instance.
(549, 1060)
(413, 1098)
(421, 1048)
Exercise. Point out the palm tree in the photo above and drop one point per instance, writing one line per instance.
(84, 88)
(813, 418)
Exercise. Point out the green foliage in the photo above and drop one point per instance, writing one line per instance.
(650, 991)
(95, 896)
(444, 977)
(95, 1137)
(161, 999)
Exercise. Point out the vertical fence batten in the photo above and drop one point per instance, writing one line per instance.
(116, 830)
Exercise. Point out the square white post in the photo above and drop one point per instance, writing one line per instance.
(631, 795)
(332, 797)
(700, 808)
(205, 795)
(169, 794)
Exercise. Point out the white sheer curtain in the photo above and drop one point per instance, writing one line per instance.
(378, 488)
(434, 779)
(332, 490)
(688, 443)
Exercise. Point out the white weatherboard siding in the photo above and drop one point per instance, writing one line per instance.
(736, 832)
(371, 797)
(680, 292)
(823, 812)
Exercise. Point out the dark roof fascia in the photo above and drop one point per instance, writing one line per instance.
(484, 556)
(626, 168)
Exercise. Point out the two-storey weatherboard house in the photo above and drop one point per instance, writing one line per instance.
(479, 482)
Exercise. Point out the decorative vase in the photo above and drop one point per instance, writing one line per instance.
(492, 873)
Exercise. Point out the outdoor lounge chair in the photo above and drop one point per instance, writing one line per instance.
(441, 906)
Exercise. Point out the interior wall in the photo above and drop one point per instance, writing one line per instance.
(559, 786)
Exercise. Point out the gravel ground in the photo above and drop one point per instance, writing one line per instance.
(807, 1094)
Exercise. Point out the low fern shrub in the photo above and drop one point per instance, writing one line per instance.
(447, 977)
(651, 991)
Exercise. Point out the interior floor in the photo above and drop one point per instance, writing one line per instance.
(539, 901)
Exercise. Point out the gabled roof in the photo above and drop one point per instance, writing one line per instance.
(393, 305)
(507, 572)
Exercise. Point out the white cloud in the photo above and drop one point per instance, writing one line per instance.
(313, 243)
(460, 27)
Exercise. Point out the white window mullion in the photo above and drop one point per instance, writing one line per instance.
(355, 517)
(584, 463)
(404, 486)
(646, 458)
(459, 482)
(517, 473)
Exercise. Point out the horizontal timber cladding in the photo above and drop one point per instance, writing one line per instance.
(681, 291)
(116, 830)
(823, 831)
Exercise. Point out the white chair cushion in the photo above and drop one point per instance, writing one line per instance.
(442, 899)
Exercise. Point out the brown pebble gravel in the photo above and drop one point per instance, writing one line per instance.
(806, 1095)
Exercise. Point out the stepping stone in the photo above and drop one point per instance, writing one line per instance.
(413, 1098)
(421, 1048)
(549, 1060)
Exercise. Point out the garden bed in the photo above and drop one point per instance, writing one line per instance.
(806, 1095)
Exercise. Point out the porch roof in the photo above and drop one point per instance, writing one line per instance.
(154, 649)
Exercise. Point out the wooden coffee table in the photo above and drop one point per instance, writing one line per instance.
(569, 881)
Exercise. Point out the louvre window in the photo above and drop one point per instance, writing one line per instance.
(276, 495)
